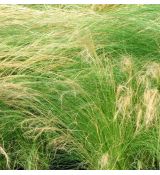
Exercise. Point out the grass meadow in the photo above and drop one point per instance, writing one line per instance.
(80, 87)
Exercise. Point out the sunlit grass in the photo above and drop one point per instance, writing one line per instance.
(79, 86)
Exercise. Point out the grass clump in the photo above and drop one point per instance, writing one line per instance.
(79, 87)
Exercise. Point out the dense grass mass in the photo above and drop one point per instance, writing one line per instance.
(79, 87)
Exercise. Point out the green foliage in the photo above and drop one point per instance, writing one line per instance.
(79, 86)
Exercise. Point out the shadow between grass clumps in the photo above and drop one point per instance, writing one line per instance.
(67, 161)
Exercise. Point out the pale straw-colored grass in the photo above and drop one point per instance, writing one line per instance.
(3, 152)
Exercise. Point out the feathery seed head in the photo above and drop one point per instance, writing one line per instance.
(104, 160)
(151, 100)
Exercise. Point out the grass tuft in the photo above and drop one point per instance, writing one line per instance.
(79, 87)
